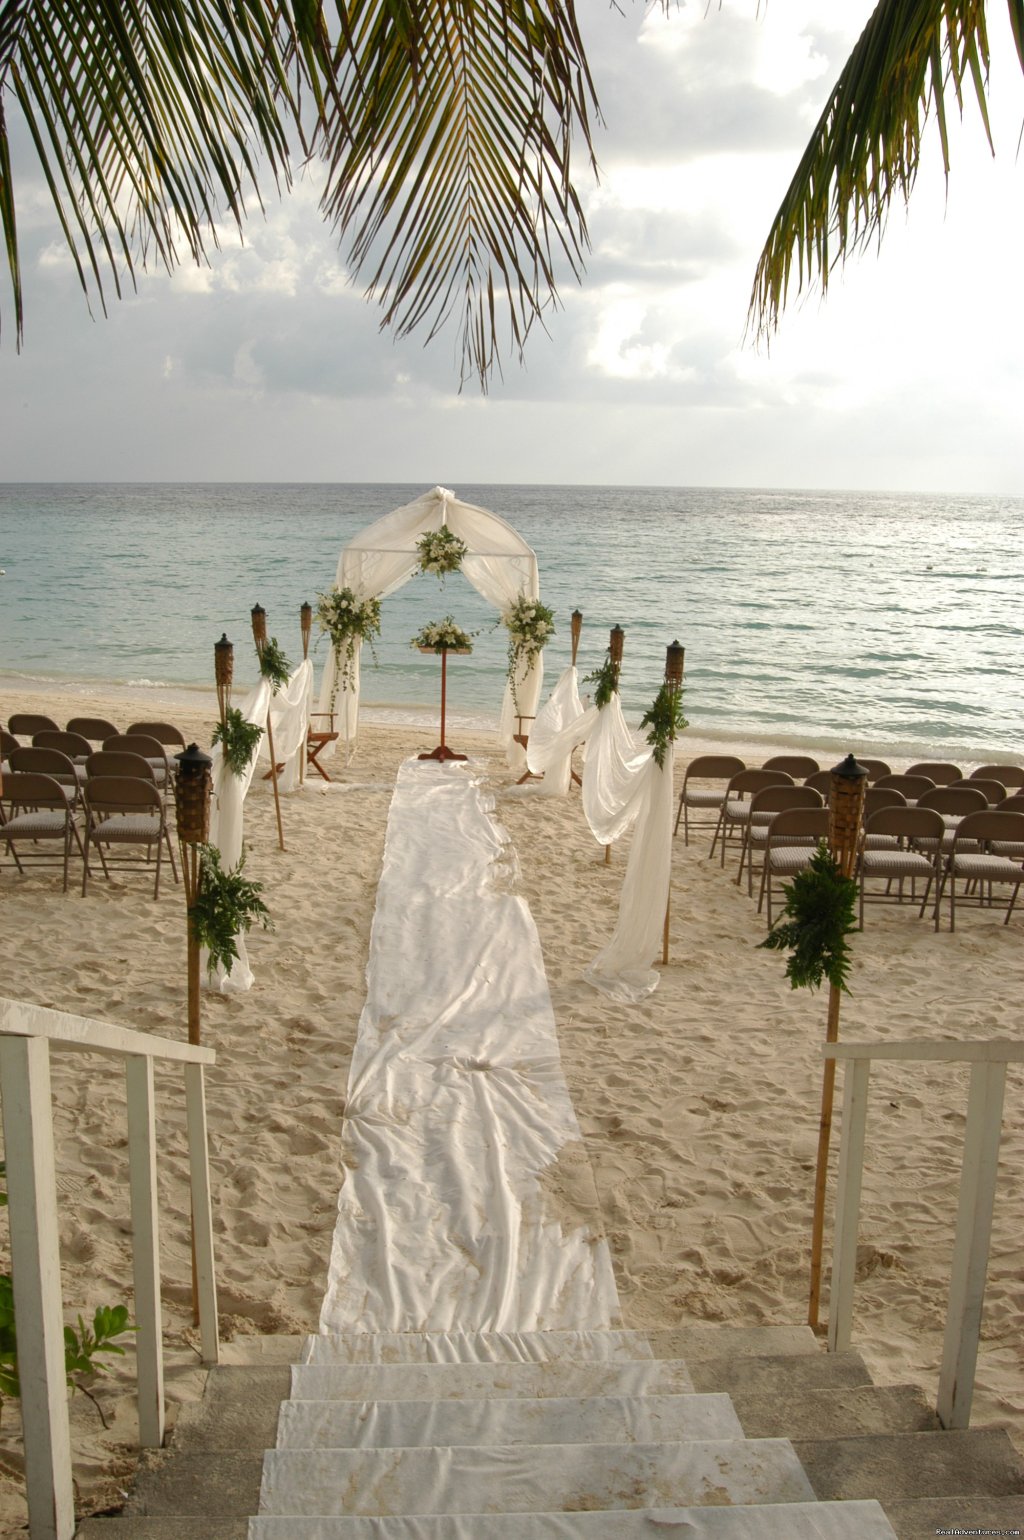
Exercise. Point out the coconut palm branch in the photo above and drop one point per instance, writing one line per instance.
(866, 145)
(445, 127)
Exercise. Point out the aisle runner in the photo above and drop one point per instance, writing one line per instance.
(458, 1118)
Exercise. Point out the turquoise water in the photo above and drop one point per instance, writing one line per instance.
(885, 621)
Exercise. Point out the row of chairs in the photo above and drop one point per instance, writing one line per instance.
(121, 792)
(25, 724)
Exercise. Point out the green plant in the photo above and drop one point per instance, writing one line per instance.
(344, 618)
(819, 914)
(665, 718)
(226, 904)
(606, 682)
(239, 740)
(273, 663)
(441, 552)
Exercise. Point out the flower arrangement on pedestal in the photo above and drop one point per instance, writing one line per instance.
(530, 626)
(346, 619)
(441, 552)
(442, 636)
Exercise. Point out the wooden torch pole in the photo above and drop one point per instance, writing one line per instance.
(616, 642)
(306, 626)
(675, 658)
(259, 636)
(846, 804)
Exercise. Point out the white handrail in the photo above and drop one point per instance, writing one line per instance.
(26, 1033)
(988, 1059)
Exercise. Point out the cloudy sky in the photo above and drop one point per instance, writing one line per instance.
(269, 366)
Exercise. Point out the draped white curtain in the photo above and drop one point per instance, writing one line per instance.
(499, 564)
(288, 715)
(561, 725)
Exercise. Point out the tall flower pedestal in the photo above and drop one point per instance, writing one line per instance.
(443, 752)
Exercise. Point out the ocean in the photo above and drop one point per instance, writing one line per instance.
(884, 623)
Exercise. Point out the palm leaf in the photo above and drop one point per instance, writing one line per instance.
(866, 145)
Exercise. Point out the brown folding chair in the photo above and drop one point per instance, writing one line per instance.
(73, 745)
(96, 729)
(901, 842)
(793, 837)
(708, 799)
(23, 724)
(910, 786)
(164, 732)
(1012, 776)
(799, 766)
(151, 750)
(735, 809)
(122, 811)
(317, 740)
(53, 763)
(38, 810)
(938, 770)
(972, 859)
(875, 768)
(764, 805)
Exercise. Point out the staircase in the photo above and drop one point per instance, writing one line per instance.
(713, 1433)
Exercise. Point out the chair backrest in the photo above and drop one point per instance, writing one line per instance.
(774, 799)
(820, 781)
(745, 782)
(139, 743)
(993, 824)
(957, 800)
(912, 786)
(24, 723)
(937, 770)
(799, 766)
(1014, 804)
(121, 794)
(805, 822)
(30, 789)
(106, 762)
(71, 744)
(96, 729)
(7, 742)
(994, 791)
(1010, 775)
(714, 767)
(908, 822)
(877, 797)
(875, 768)
(163, 732)
(44, 762)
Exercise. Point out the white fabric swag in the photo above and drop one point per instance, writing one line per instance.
(288, 714)
(499, 564)
(623, 786)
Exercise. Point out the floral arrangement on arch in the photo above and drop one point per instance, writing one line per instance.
(441, 552)
(346, 619)
(442, 636)
(530, 626)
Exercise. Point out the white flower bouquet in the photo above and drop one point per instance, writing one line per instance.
(530, 626)
(346, 619)
(442, 636)
(441, 552)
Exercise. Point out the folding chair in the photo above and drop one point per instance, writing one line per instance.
(123, 811)
(973, 859)
(706, 767)
(39, 810)
(783, 856)
(904, 829)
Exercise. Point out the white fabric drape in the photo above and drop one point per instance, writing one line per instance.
(560, 726)
(499, 564)
(288, 712)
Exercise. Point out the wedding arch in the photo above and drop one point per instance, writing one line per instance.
(383, 557)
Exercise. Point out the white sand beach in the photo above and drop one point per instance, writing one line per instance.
(698, 1108)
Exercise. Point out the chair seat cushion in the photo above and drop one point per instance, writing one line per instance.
(896, 863)
(126, 826)
(1005, 848)
(35, 826)
(988, 868)
(697, 796)
(791, 860)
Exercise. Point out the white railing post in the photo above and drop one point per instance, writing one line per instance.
(851, 1172)
(971, 1247)
(202, 1211)
(35, 1266)
(145, 1248)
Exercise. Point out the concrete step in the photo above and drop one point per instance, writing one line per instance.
(529, 1478)
(777, 1521)
(894, 1466)
(166, 1527)
(430, 1382)
(555, 1420)
(775, 1374)
(914, 1517)
(217, 1485)
(841, 1411)
(239, 1409)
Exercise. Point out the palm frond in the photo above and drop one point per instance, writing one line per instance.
(866, 146)
(449, 162)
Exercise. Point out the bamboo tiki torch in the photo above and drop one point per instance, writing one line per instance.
(846, 805)
(223, 673)
(675, 658)
(259, 636)
(192, 784)
(306, 626)
(616, 642)
(575, 628)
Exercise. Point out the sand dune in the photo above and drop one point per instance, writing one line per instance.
(698, 1108)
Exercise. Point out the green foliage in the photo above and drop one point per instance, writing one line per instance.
(226, 904)
(606, 682)
(82, 1345)
(665, 719)
(273, 663)
(239, 740)
(819, 913)
(344, 618)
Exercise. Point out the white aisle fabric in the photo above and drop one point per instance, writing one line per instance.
(288, 712)
(458, 1115)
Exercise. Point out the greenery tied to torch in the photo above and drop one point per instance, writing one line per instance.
(665, 719)
(239, 740)
(227, 904)
(819, 913)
